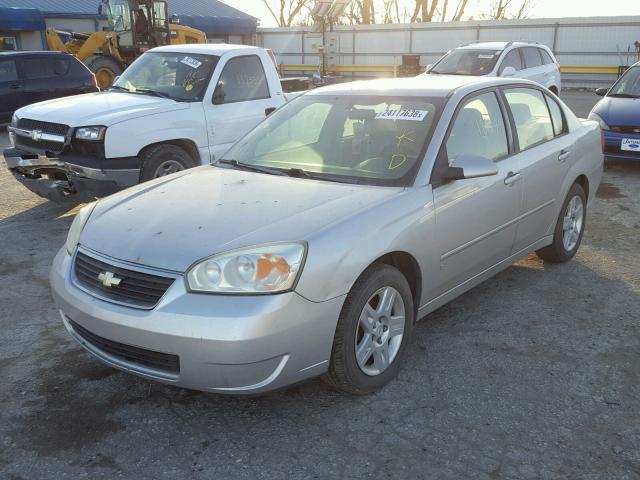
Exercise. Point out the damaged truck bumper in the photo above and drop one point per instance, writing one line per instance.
(57, 178)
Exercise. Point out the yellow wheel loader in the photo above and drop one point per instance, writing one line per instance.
(135, 26)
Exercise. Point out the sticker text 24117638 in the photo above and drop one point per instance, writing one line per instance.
(402, 114)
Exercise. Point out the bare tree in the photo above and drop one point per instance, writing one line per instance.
(500, 9)
(288, 11)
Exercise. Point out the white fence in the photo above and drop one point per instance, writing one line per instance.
(589, 49)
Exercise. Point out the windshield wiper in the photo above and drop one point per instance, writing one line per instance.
(623, 95)
(248, 167)
(300, 173)
(155, 93)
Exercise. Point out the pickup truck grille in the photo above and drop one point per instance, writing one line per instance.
(141, 356)
(135, 289)
(29, 143)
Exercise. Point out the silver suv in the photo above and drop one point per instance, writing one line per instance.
(532, 61)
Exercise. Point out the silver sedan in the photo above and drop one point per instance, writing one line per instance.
(321, 237)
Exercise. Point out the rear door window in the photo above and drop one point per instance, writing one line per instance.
(532, 57)
(556, 116)
(512, 59)
(8, 71)
(531, 116)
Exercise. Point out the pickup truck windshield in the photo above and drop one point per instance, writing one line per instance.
(179, 76)
(376, 140)
(467, 62)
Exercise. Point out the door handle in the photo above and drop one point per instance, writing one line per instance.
(269, 111)
(564, 154)
(511, 178)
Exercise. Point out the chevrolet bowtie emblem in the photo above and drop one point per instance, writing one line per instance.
(109, 280)
(36, 135)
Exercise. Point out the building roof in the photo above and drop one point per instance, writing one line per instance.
(211, 16)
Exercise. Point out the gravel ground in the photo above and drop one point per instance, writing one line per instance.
(534, 374)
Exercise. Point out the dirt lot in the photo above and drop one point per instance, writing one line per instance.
(534, 374)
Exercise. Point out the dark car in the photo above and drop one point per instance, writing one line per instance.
(30, 77)
(618, 114)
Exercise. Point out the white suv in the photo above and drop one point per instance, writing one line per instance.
(532, 61)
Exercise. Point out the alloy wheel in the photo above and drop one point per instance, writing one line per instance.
(572, 223)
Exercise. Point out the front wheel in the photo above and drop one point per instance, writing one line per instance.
(569, 228)
(373, 331)
(161, 160)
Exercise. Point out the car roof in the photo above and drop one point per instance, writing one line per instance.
(426, 85)
(205, 48)
(498, 45)
(21, 53)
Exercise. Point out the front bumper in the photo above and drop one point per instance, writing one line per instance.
(56, 178)
(225, 343)
(612, 143)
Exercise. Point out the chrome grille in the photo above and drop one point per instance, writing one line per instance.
(44, 127)
(136, 289)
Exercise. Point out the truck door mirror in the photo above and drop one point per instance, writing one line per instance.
(602, 91)
(508, 72)
(218, 95)
(471, 166)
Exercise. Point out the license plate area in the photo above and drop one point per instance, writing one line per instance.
(630, 144)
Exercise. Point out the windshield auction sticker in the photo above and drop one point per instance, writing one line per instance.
(402, 114)
(192, 62)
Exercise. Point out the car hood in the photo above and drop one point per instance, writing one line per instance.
(99, 108)
(619, 111)
(170, 223)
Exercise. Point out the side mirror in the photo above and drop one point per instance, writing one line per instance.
(508, 72)
(601, 92)
(471, 166)
(218, 95)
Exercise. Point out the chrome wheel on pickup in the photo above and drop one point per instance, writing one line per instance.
(167, 168)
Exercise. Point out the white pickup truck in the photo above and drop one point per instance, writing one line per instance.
(174, 108)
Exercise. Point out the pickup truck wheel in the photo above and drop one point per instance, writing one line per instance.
(569, 228)
(162, 160)
(373, 331)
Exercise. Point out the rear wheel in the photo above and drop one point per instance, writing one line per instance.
(161, 160)
(569, 228)
(105, 69)
(373, 331)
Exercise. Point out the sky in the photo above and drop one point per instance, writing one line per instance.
(541, 8)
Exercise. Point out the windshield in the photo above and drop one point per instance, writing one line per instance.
(628, 85)
(467, 62)
(377, 140)
(179, 76)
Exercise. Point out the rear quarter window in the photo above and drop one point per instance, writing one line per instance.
(8, 71)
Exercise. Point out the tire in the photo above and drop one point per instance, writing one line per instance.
(345, 373)
(574, 213)
(163, 159)
(106, 69)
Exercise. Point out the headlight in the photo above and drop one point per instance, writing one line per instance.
(73, 237)
(91, 133)
(598, 118)
(266, 268)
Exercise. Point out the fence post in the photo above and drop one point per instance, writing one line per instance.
(555, 37)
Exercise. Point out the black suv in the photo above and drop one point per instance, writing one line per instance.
(30, 77)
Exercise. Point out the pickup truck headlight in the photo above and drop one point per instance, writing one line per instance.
(268, 268)
(91, 133)
(598, 118)
(73, 237)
